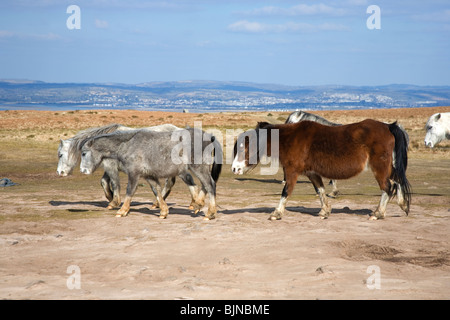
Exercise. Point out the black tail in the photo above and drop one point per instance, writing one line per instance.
(218, 157)
(400, 164)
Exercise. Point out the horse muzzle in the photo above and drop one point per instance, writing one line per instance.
(238, 170)
(85, 171)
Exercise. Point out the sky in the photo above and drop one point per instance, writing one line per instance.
(286, 42)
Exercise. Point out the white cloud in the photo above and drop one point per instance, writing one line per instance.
(6, 34)
(441, 16)
(101, 24)
(245, 26)
(298, 10)
(50, 36)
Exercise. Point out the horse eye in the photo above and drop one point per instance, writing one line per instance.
(83, 154)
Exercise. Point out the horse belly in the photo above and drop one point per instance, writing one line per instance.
(341, 168)
(163, 169)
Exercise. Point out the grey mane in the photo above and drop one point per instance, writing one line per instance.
(112, 139)
(81, 137)
(298, 116)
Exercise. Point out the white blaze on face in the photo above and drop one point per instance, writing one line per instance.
(64, 168)
(431, 138)
(238, 165)
(86, 161)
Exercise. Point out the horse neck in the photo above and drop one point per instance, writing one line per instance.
(110, 145)
(267, 144)
(446, 119)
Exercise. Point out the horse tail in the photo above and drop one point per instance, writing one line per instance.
(400, 164)
(217, 164)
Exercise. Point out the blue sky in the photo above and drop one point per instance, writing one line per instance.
(279, 41)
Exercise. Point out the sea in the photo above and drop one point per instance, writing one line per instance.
(195, 109)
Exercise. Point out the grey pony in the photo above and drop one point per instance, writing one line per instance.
(150, 155)
(69, 153)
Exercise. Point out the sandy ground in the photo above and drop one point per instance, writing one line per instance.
(56, 234)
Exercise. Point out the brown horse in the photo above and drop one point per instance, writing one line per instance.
(340, 152)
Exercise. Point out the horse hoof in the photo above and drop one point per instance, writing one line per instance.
(372, 218)
(323, 217)
(162, 217)
(196, 207)
(118, 215)
(272, 218)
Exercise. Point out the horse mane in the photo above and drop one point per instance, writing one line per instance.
(80, 138)
(263, 125)
(306, 116)
(119, 136)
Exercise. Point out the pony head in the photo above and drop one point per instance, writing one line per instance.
(90, 158)
(248, 149)
(66, 160)
(436, 130)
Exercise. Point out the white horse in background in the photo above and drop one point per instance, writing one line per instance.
(438, 129)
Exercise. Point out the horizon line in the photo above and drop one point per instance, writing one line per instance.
(28, 81)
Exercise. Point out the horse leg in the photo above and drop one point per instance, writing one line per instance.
(115, 186)
(291, 180)
(318, 185)
(131, 189)
(111, 170)
(208, 185)
(164, 209)
(155, 204)
(382, 174)
(401, 200)
(197, 199)
(380, 212)
(168, 187)
(106, 188)
(335, 192)
(165, 191)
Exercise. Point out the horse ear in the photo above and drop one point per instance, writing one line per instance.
(262, 125)
(438, 116)
(89, 143)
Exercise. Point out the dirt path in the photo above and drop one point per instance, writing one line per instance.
(240, 255)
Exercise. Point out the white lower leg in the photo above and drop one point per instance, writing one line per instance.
(212, 210)
(279, 211)
(401, 199)
(326, 209)
(380, 212)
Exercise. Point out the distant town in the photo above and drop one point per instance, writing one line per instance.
(214, 96)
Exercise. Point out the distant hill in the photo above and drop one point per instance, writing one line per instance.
(215, 96)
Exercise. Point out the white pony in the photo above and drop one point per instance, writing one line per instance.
(438, 129)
